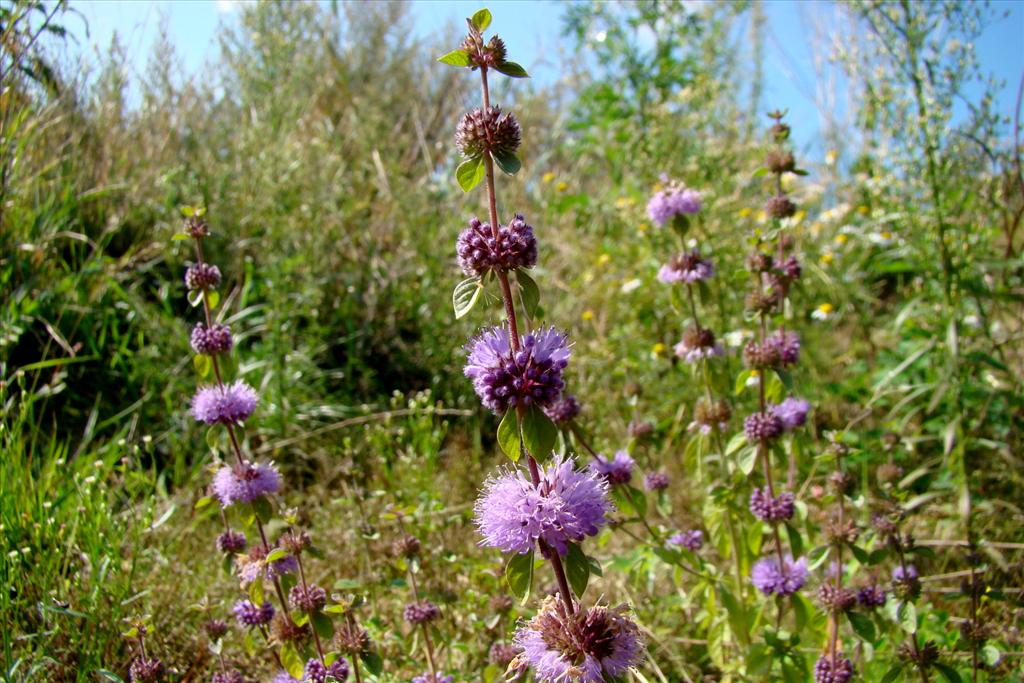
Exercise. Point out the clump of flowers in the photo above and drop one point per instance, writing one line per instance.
(675, 200)
(507, 375)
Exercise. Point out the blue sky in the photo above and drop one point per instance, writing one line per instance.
(534, 28)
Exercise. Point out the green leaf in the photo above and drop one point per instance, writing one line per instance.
(512, 69)
(796, 543)
(948, 672)
(456, 58)
(203, 365)
(262, 508)
(291, 661)
(465, 295)
(577, 570)
(481, 19)
(470, 172)
(507, 162)
(203, 502)
(907, 617)
(892, 674)
(188, 211)
(277, 554)
(109, 675)
(735, 443)
(373, 661)
(323, 625)
(508, 435)
(179, 236)
(195, 297)
(862, 626)
(519, 575)
(800, 171)
(761, 172)
(748, 461)
(990, 655)
(213, 438)
(213, 298)
(741, 382)
(529, 291)
(801, 611)
(256, 594)
(861, 554)
(737, 615)
(539, 433)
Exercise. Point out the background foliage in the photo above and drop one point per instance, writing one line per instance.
(319, 140)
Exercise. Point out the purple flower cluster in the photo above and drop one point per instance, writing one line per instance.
(901, 574)
(567, 506)
(202, 276)
(692, 540)
(616, 470)
(228, 676)
(771, 579)
(227, 404)
(532, 376)
(254, 566)
(792, 412)
(675, 200)
(421, 612)
(250, 615)
(656, 481)
(145, 669)
(833, 670)
(211, 340)
(564, 410)
(762, 427)
(687, 267)
(697, 344)
(478, 250)
(433, 678)
(310, 598)
(872, 596)
(245, 483)
(231, 542)
(771, 509)
(588, 647)
(787, 343)
(317, 672)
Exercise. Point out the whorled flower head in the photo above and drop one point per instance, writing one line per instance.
(421, 612)
(761, 355)
(215, 628)
(227, 404)
(675, 200)
(490, 54)
(792, 411)
(762, 301)
(687, 267)
(901, 574)
(709, 416)
(486, 130)
(244, 483)
(780, 206)
(250, 615)
(406, 546)
(228, 676)
(639, 429)
(254, 566)
(145, 669)
(772, 509)
(615, 470)
(692, 540)
(872, 596)
(789, 269)
(567, 506)
(211, 340)
(564, 410)
(202, 276)
(309, 598)
(779, 161)
(532, 376)
(352, 639)
(479, 251)
(196, 227)
(231, 542)
(588, 647)
(318, 672)
(697, 344)
(836, 598)
(656, 481)
(771, 579)
(502, 654)
(434, 678)
(787, 343)
(284, 677)
(762, 427)
(833, 669)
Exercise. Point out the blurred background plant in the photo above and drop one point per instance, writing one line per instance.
(319, 138)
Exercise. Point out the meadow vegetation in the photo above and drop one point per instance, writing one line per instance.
(320, 143)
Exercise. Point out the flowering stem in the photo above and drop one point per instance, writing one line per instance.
(305, 588)
(913, 636)
(355, 655)
(833, 614)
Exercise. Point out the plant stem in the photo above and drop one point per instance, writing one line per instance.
(305, 587)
